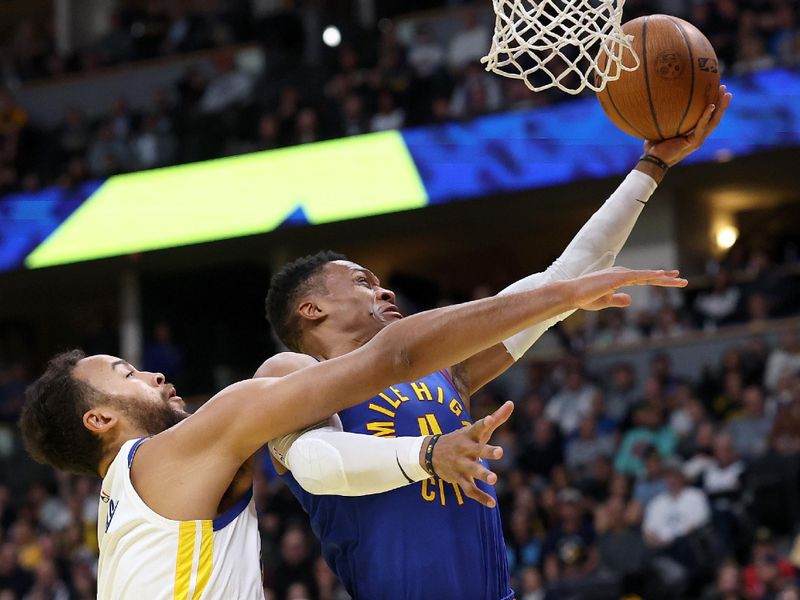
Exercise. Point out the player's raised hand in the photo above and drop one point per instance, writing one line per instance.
(673, 150)
(598, 290)
(456, 454)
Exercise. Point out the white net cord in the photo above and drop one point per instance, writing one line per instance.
(568, 44)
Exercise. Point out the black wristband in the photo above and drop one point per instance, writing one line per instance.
(429, 455)
(654, 160)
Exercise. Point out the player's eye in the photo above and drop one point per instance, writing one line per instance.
(363, 280)
(129, 375)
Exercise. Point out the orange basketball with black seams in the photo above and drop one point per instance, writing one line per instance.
(677, 78)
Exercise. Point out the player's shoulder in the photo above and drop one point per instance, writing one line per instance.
(284, 363)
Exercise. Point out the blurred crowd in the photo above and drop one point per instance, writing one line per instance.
(373, 81)
(612, 484)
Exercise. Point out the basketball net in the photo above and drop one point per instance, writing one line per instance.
(568, 44)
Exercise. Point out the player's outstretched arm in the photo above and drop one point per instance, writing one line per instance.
(245, 415)
(595, 247)
(327, 460)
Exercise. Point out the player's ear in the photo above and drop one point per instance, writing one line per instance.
(100, 419)
(311, 310)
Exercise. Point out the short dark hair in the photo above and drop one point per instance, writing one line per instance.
(287, 286)
(52, 418)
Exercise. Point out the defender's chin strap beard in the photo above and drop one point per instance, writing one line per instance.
(595, 247)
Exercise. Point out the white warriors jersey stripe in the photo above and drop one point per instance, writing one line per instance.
(144, 555)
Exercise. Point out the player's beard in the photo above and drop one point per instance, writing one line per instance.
(153, 418)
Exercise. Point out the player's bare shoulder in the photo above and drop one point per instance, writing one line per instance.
(284, 363)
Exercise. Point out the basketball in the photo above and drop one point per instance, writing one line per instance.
(677, 78)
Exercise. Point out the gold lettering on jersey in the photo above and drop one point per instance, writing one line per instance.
(457, 489)
(456, 408)
(465, 424)
(381, 409)
(439, 394)
(431, 486)
(422, 391)
(426, 495)
(381, 428)
(399, 394)
(392, 402)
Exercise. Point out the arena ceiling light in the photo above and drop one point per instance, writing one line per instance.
(332, 37)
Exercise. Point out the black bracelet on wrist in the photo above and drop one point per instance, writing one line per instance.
(429, 455)
(654, 160)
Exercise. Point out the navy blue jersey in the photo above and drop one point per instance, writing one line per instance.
(422, 541)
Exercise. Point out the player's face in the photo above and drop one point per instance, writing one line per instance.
(145, 398)
(355, 300)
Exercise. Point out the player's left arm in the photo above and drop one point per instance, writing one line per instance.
(595, 247)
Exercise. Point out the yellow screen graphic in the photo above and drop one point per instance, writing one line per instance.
(238, 196)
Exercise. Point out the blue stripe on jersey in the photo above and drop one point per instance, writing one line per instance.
(134, 448)
(422, 541)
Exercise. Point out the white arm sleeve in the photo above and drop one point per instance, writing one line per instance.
(328, 460)
(595, 247)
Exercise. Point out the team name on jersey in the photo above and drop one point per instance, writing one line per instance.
(389, 401)
(387, 404)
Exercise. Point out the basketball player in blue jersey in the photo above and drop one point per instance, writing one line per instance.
(394, 540)
(177, 518)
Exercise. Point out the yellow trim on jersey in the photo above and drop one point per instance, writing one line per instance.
(183, 564)
(206, 560)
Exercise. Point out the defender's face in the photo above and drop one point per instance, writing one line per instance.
(355, 299)
(145, 397)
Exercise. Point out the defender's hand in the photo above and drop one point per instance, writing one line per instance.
(674, 150)
(456, 454)
(597, 291)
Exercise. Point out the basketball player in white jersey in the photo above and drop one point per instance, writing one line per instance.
(177, 519)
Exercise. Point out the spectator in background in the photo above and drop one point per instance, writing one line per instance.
(750, 430)
(620, 547)
(116, 46)
(783, 361)
(13, 577)
(543, 452)
(622, 394)
(722, 482)
(109, 154)
(615, 330)
(306, 127)
(470, 43)
(353, 117)
(476, 93)
(767, 571)
(672, 516)
(296, 563)
(573, 402)
(648, 433)
(571, 540)
(47, 584)
(728, 585)
(718, 305)
(230, 87)
(667, 325)
(389, 116)
(425, 56)
(75, 135)
(726, 404)
(152, 145)
(652, 482)
(583, 450)
(785, 435)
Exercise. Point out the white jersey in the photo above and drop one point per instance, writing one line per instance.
(144, 555)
